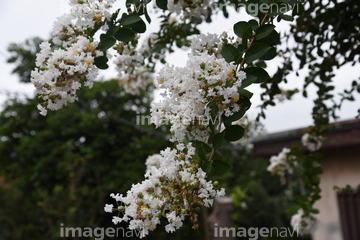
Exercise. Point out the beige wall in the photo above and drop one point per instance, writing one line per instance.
(341, 167)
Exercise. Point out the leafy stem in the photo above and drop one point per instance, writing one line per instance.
(252, 40)
(213, 148)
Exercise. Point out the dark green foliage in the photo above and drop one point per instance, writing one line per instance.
(264, 202)
(23, 55)
(162, 4)
(101, 62)
(63, 167)
(323, 45)
(125, 34)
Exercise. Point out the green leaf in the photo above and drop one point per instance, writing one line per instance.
(139, 27)
(206, 166)
(241, 49)
(272, 39)
(269, 54)
(315, 211)
(159, 46)
(240, 27)
(147, 16)
(220, 166)
(256, 51)
(245, 105)
(254, 24)
(101, 62)
(245, 37)
(234, 132)
(260, 74)
(162, 4)
(125, 34)
(214, 110)
(202, 149)
(129, 19)
(209, 14)
(302, 198)
(250, 79)
(112, 30)
(287, 17)
(264, 31)
(225, 12)
(107, 43)
(245, 93)
(218, 140)
(230, 53)
(115, 15)
(315, 179)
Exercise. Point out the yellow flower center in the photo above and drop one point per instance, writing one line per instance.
(216, 64)
(98, 17)
(89, 47)
(236, 98)
(230, 73)
(142, 208)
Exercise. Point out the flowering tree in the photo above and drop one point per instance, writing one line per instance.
(73, 158)
(202, 101)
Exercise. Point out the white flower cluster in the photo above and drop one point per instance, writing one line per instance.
(133, 76)
(187, 9)
(312, 142)
(304, 224)
(153, 160)
(148, 47)
(62, 67)
(61, 72)
(84, 16)
(136, 82)
(173, 184)
(282, 163)
(211, 43)
(191, 89)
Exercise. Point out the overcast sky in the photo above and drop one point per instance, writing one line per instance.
(22, 19)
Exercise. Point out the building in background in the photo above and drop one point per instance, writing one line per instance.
(341, 165)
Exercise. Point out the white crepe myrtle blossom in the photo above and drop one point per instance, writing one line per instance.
(312, 142)
(68, 62)
(211, 43)
(304, 224)
(133, 76)
(282, 164)
(150, 48)
(108, 208)
(171, 188)
(136, 81)
(84, 16)
(191, 89)
(153, 160)
(187, 9)
(61, 72)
